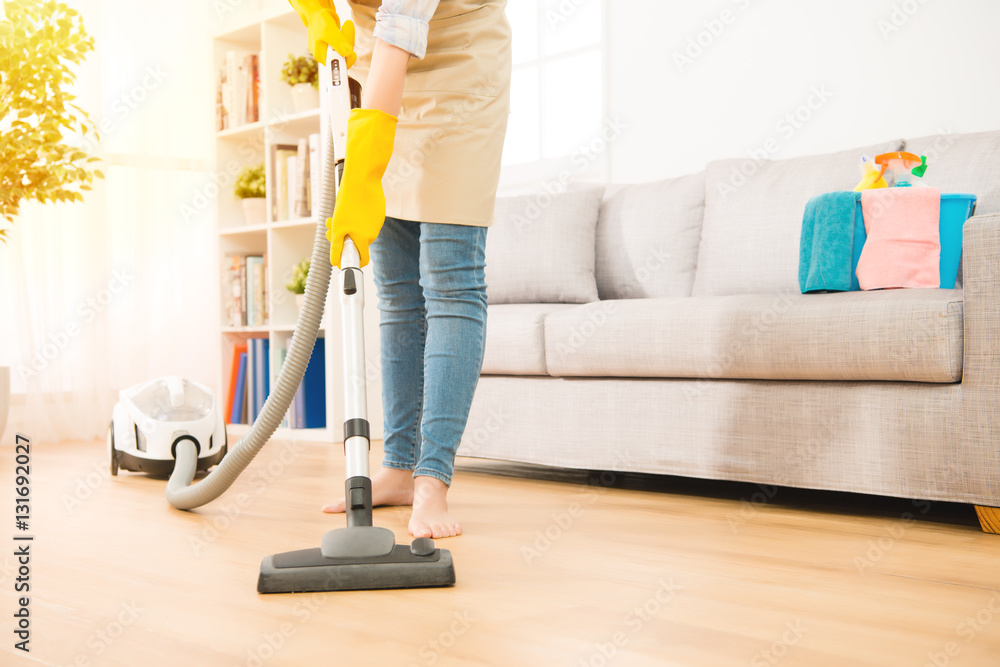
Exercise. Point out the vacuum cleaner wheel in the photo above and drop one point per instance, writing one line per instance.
(112, 452)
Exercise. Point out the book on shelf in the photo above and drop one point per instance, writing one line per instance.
(221, 117)
(260, 381)
(248, 283)
(251, 64)
(236, 380)
(292, 194)
(265, 302)
(248, 401)
(260, 292)
(244, 290)
(301, 198)
(278, 185)
(233, 281)
(253, 382)
(308, 406)
(239, 89)
(314, 388)
(236, 415)
(256, 291)
(314, 173)
(291, 177)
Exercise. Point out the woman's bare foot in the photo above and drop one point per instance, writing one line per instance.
(430, 510)
(389, 487)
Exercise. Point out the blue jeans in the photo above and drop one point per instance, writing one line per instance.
(432, 296)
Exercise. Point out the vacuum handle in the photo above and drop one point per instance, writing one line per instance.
(356, 428)
(337, 89)
(338, 99)
(349, 256)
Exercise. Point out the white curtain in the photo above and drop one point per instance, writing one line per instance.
(97, 296)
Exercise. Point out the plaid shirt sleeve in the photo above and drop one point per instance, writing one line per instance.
(404, 23)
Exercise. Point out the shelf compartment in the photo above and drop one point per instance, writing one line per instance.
(239, 132)
(245, 229)
(295, 223)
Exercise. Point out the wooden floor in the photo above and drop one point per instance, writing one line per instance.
(555, 568)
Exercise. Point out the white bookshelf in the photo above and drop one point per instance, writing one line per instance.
(275, 31)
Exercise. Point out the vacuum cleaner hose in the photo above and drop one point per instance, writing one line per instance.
(180, 492)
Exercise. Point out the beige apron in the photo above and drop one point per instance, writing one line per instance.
(445, 164)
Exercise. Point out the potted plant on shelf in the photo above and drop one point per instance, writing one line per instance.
(297, 285)
(302, 74)
(251, 188)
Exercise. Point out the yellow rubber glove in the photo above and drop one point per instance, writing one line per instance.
(360, 209)
(320, 17)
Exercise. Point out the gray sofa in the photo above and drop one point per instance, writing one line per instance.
(659, 328)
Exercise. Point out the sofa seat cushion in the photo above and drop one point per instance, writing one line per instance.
(891, 335)
(515, 342)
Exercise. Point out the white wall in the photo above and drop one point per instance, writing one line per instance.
(890, 68)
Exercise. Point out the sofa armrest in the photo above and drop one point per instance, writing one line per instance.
(976, 463)
(981, 307)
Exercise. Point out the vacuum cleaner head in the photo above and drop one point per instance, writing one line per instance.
(363, 558)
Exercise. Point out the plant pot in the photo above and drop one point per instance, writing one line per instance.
(4, 397)
(255, 210)
(300, 300)
(304, 97)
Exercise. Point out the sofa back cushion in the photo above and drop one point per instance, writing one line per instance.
(647, 239)
(540, 248)
(753, 218)
(963, 163)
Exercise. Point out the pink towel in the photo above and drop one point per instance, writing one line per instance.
(903, 248)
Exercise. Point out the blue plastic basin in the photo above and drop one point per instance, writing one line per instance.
(955, 210)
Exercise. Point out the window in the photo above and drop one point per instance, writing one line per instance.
(557, 84)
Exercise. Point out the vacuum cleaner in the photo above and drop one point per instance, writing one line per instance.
(150, 418)
(162, 427)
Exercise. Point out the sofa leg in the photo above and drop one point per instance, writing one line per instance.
(989, 519)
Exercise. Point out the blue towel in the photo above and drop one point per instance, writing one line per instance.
(827, 243)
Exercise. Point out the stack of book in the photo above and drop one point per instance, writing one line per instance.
(249, 380)
(308, 408)
(244, 290)
(250, 385)
(294, 189)
(238, 90)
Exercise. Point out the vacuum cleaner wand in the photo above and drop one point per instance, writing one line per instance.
(359, 556)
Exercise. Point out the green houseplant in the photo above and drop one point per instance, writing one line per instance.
(41, 126)
(302, 74)
(251, 187)
(297, 285)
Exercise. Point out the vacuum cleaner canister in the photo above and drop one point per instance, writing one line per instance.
(150, 418)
